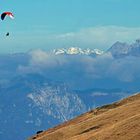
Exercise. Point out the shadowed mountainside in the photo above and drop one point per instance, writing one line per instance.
(120, 120)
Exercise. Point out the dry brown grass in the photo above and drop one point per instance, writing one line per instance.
(117, 121)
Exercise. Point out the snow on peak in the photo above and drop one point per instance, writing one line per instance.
(58, 102)
(76, 50)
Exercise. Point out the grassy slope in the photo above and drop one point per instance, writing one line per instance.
(117, 121)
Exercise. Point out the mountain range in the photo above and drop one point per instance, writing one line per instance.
(120, 49)
(40, 89)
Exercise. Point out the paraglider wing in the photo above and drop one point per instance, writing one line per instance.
(3, 15)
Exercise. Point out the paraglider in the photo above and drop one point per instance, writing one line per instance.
(3, 15)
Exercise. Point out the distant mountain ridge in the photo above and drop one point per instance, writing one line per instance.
(120, 49)
(117, 50)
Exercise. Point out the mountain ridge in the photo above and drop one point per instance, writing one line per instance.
(121, 49)
(117, 50)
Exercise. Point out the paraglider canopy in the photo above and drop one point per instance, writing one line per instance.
(3, 15)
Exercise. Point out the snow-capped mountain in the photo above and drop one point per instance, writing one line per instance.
(77, 51)
(120, 49)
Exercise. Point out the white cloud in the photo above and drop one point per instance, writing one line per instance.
(81, 68)
(100, 36)
(42, 58)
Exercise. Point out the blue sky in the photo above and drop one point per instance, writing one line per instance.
(48, 24)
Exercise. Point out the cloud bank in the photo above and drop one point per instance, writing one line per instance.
(100, 71)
